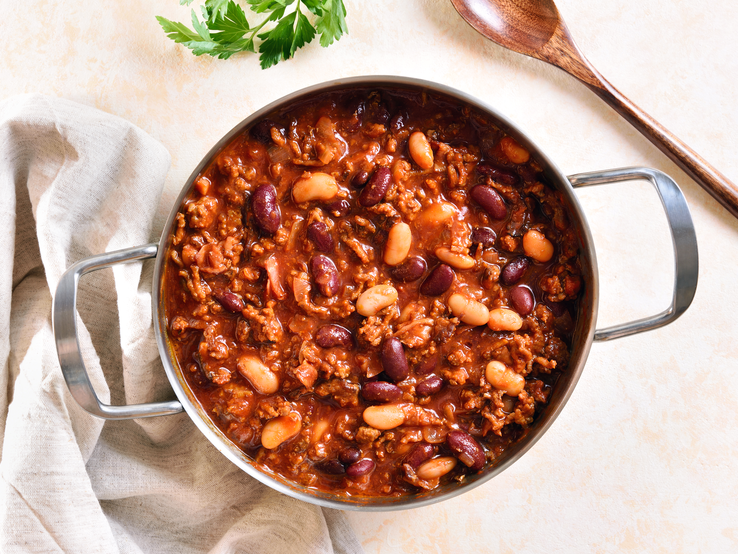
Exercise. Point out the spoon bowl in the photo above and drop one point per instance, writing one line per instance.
(535, 28)
(525, 27)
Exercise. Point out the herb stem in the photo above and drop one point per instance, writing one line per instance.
(258, 28)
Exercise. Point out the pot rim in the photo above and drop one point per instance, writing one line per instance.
(581, 342)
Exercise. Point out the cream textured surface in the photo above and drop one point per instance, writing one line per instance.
(644, 456)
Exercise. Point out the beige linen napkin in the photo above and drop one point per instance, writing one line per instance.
(76, 182)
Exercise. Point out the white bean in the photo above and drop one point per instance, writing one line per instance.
(435, 214)
(504, 319)
(314, 186)
(375, 299)
(514, 152)
(385, 416)
(263, 379)
(435, 468)
(503, 378)
(467, 310)
(319, 429)
(537, 246)
(280, 429)
(399, 241)
(420, 150)
(455, 259)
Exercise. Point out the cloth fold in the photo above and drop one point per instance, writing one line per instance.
(76, 182)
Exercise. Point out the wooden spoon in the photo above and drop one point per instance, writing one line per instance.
(535, 28)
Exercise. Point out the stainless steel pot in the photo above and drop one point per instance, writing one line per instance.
(686, 265)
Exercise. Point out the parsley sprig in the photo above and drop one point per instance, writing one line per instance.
(224, 29)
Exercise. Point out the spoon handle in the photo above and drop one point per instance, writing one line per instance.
(568, 57)
(715, 183)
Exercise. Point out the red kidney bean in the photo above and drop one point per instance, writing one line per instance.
(325, 274)
(230, 301)
(514, 270)
(380, 391)
(421, 452)
(398, 122)
(466, 449)
(357, 107)
(498, 174)
(394, 360)
(376, 188)
(427, 366)
(490, 200)
(266, 208)
(430, 386)
(381, 115)
(332, 335)
(484, 236)
(339, 208)
(332, 467)
(262, 131)
(349, 455)
(360, 178)
(522, 299)
(411, 269)
(318, 232)
(439, 281)
(362, 467)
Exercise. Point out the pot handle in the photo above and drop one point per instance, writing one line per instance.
(683, 238)
(64, 321)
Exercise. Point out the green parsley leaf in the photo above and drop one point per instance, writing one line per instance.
(232, 26)
(315, 6)
(217, 8)
(225, 30)
(332, 24)
(261, 6)
(201, 28)
(292, 32)
(176, 31)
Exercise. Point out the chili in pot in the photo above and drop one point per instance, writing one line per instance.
(374, 292)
